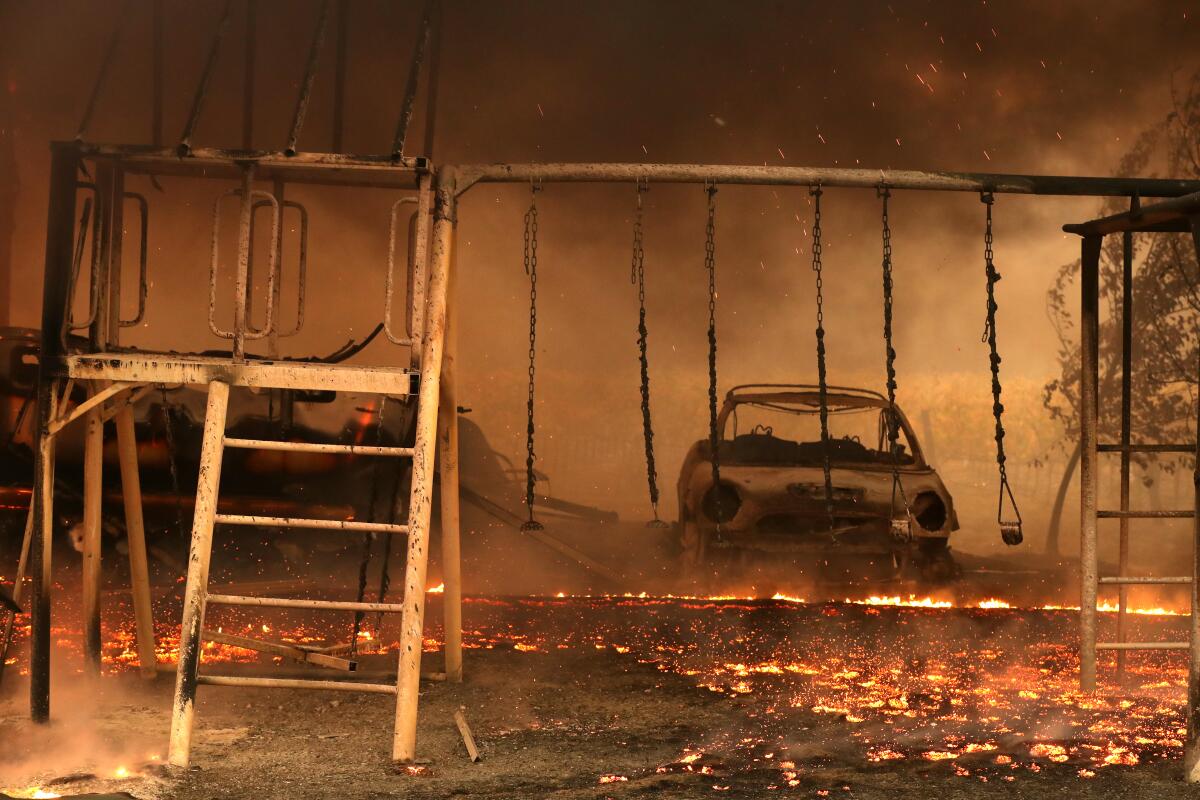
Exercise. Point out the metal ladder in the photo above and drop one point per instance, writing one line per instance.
(431, 431)
(1178, 215)
(197, 598)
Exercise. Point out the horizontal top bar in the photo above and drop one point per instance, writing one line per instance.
(1169, 215)
(468, 175)
(207, 162)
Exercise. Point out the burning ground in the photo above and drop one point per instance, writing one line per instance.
(625, 695)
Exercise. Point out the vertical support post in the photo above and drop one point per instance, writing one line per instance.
(102, 232)
(56, 279)
(1088, 421)
(1126, 424)
(448, 469)
(1191, 747)
(93, 480)
(417, 268)
(116, 223)
(277, 292)
(195, 593)
(242, 281)
(135, 529)
(412, 621)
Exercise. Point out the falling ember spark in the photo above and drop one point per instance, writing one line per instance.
(985, 155)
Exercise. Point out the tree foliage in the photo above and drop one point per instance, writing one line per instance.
(1166, 303)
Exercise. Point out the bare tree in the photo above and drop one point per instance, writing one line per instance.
(1166, 308)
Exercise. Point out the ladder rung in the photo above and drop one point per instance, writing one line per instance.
(301, 654)
(288, 602)
(315, 447)
(1183, 514)
(293, 683)
(1146, 448)
(1142, 645)
(1121, 579)
(301, 522)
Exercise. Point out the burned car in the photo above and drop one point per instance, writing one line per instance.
(770, 512)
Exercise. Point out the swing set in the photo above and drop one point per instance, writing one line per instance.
(1008, 516)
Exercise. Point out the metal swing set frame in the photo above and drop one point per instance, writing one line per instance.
(120, 374)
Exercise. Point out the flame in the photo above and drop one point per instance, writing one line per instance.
(439, 589)
(911, 602)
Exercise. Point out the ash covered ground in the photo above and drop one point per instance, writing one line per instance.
(621, 696)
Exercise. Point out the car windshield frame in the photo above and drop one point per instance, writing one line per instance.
(802, 402)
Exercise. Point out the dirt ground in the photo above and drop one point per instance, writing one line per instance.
(574, 719)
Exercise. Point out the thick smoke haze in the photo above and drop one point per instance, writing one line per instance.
(1060, 88)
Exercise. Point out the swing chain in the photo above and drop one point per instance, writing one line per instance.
(817, 268)
(638, 276)
(531, 231)
(900, 526)
(710, 265)
(1010, 530)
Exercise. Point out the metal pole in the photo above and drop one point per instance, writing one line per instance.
(185, 138)
(1088, 421)
(242, 281)
(116, 236)
(277, 289)
(975, 182)
(448, 469)
(196, 589)
(339, 74)
(93, 484)
(156, 126)
(60, 241)
(431, 86)
(310, 74)
(1191, 748)
(135, 531)
(102, 74)
(418, 268)
(410, 88)
(413, 619)
(249, 63)
(1126, 424)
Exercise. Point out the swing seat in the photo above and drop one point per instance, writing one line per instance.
(901, 528)
(532, 525)
(1011, 533)
(657, 523)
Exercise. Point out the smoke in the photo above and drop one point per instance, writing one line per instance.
(1016, 87)
(102, 732)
